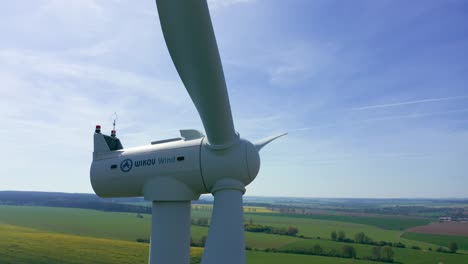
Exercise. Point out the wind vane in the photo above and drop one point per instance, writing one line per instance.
(114, 119)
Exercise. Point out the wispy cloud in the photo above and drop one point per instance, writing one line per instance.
(410, 102)
(379, 119)
(116, 79)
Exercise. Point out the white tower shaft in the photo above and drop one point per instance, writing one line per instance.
(170, 233)
(226, 239)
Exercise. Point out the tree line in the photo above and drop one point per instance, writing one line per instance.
(256, 228)
(362, 238)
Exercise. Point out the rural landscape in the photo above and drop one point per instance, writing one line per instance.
(234, 132)
(39, 227)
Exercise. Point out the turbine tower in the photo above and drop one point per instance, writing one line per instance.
(173, 172)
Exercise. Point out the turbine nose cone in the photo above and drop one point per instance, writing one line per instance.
(253, 160)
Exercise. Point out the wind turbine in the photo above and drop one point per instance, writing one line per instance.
(172, 172)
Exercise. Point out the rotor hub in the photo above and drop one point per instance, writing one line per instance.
(229, 168)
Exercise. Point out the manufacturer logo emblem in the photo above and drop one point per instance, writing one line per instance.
(126, 165)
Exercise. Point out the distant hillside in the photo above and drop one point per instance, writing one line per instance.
(73, 200)
(432, 208)
(79, 200)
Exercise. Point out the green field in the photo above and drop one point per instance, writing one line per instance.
(402, 255)
(314, 228)
(442, 240)
(121, 226)
(384, 222)
(26, 245)
(81, 222)
(89, 227)
(20, 245)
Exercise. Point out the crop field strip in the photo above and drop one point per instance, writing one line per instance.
(105, 225)
(462, 241)
(109, 225)
(403, 255)
(390, 222)
(442, 228)
(22, 245)
(121, 226)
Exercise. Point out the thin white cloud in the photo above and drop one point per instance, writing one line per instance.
(394, 117)
(410, 102)
(116, 79)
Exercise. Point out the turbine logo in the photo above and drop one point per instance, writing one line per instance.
(126, 165)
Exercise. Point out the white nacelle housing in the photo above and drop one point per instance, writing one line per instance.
(174, 170)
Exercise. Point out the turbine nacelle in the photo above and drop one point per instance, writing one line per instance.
(175, 169)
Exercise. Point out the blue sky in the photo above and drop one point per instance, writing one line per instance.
(373, 93)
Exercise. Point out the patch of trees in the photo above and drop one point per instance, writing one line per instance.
(380, 254)
(250, 209)
(202, 221)
(340, 237)
(362, 238)
(383, 254)
(452, 248)
(195, 259)
(142, 240)
(289, 231)
(345, 252)
(251, 227)
(198, 243)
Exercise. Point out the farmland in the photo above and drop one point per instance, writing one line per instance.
(21, 245)
(442, 240)
(41, 234)
(402, 255)
(443, 228)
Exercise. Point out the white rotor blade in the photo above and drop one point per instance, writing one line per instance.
(226, 240)
(192, 44)
(263, 142)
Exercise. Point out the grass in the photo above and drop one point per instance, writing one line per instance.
(22, 245)
(310, 227)
(247, 209)
(255, 257)
(402, 255)
(209, 207)
(121, 226)
(26, 245)
(442, 240)
(385, 222)
(252, 240)
(121, 230)
(81, 222)
(126, 226)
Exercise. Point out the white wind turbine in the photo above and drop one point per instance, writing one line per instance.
(172, 172)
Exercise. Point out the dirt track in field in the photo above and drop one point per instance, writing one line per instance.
(443, 228)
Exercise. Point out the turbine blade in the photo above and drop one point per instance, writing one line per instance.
(226, 240)
(190, 38)
(262, 142)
